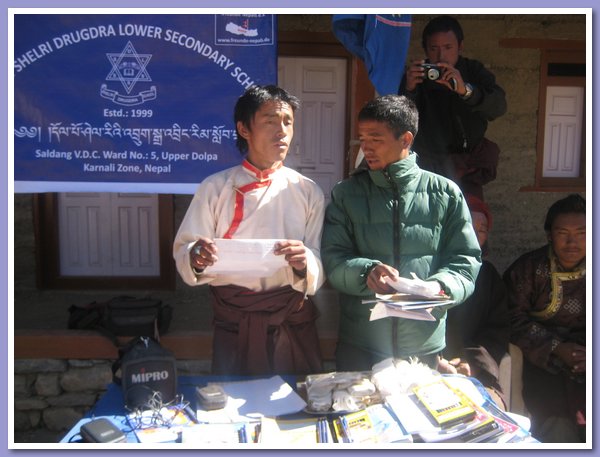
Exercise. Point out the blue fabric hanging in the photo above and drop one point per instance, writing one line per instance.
(380, 41)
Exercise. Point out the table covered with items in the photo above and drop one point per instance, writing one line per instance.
(399, 403)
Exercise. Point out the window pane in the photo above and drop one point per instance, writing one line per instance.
(566, 69)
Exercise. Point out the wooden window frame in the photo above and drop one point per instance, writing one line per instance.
(47, 255)
(559, 56)
(569, 51)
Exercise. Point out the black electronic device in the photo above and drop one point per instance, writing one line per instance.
(146, 370)
(211, 397)
(101, 431)
(432, 71)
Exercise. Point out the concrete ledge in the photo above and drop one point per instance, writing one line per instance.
(84, 344)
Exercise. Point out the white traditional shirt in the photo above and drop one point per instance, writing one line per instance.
(246, 203)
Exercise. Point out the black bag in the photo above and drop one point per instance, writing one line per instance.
(148, 373)
(123, 316)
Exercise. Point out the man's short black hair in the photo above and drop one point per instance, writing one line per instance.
(442, 24)
(397, 111)
(574, 203)
(251, 101)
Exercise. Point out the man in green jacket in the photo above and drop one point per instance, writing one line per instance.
(388, 221)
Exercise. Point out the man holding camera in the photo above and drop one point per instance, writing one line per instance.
(456, 98)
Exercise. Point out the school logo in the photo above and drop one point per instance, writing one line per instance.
(128, 68)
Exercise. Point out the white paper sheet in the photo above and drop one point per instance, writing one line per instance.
(247, 257)
(408, 302)
(415, 286)
(410, 416)
(261, 397)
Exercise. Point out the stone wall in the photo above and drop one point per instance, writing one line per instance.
(53, 395)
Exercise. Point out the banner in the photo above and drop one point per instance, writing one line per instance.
(132, 103)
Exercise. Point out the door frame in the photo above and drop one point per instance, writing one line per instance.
(48, 276)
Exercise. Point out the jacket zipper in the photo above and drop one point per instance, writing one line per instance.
(396, 249)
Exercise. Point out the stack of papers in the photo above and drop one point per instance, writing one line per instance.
(413, 300)
(375, 424)
(482, 427)
(406, 306)
(421, 413)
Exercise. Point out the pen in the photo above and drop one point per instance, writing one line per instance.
(322, 430)
(319, 431)
(243, 434)
(191, 414)
(345, 429)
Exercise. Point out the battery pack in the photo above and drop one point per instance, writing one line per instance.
(211, 397)
(102, 431)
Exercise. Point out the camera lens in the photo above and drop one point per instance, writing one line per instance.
(433, 74)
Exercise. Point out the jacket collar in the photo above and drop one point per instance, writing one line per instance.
(400, 171)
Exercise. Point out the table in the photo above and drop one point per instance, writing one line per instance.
(111, 404)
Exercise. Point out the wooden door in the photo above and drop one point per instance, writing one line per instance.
(317, 150)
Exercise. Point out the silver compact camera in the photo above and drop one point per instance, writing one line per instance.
(432, 71)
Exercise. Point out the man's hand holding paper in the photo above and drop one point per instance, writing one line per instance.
(203, 254)
(415, 286)
(251, 257)
(378, 277)
(294, 253)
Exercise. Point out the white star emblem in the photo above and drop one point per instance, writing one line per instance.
(129, 67)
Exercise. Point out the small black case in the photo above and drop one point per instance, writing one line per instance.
(102, 431)
(211, 397)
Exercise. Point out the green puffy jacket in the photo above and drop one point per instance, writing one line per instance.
(408, 218)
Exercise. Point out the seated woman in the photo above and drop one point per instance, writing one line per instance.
(478, 330)
(546, 289)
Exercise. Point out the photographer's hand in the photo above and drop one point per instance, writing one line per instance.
(452, 79)
(414, 75)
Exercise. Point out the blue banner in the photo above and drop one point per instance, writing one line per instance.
(142, 103)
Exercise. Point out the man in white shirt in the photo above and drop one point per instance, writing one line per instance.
(263, 324)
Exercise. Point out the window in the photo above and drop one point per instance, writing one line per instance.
(104, 240)
(561, 142)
